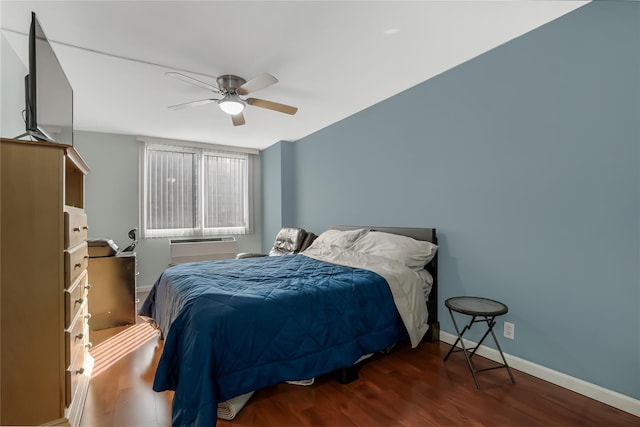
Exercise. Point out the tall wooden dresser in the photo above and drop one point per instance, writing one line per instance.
(45, 366)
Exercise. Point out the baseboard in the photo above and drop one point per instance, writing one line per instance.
(144, 288)
(601, 394)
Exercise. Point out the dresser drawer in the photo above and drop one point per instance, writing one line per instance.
(76, 261)
(75, 227)
(74, 297)
(73, 374)
(75, 337)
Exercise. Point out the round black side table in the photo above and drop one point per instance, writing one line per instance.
(480, 310)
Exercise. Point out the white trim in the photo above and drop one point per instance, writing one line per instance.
(593, 391)
(205, 146)
(144, 288)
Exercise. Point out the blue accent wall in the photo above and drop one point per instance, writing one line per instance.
(278, 184)
(288, 187)
(527, 161)
(271, 178)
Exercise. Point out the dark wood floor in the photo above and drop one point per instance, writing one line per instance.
(409, 387)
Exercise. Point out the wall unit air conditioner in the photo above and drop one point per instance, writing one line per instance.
(204, 249)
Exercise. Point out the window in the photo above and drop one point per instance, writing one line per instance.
(194, 190)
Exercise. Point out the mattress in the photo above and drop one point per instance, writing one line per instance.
(235, 326)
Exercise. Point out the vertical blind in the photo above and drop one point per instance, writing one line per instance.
(172, 184)
(224, 199)
(190, 191)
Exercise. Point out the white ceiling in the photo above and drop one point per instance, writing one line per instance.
(332, 58)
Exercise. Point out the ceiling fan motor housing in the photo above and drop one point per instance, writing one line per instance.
(230, 83)
(231, 87)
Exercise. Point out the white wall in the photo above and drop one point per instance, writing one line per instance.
(11, 91)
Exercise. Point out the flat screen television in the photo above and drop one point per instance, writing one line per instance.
(48, 93)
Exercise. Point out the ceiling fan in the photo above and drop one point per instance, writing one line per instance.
(231, 87)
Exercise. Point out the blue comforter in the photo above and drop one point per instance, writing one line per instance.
(236, 326)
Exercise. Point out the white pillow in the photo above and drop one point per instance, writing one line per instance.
(415, 254)
(339, 238)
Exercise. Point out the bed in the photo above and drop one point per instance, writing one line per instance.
(235, 326)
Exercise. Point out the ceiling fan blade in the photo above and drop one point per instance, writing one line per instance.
(193, 81)
(238, 119)
(192, 104)
(257, 83)
(282, 108)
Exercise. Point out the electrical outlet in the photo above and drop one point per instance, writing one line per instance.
(509, 330)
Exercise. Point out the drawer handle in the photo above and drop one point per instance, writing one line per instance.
(79, 336)
(77, 229)
(88, 286)
(80, 371)
(79, 301)
(85, 227)
(89, 345)
(77, 265)
(87, 316)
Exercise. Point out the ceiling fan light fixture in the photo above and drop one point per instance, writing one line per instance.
(231, 87)
(231, 105)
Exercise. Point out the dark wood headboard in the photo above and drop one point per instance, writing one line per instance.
(424, 234)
